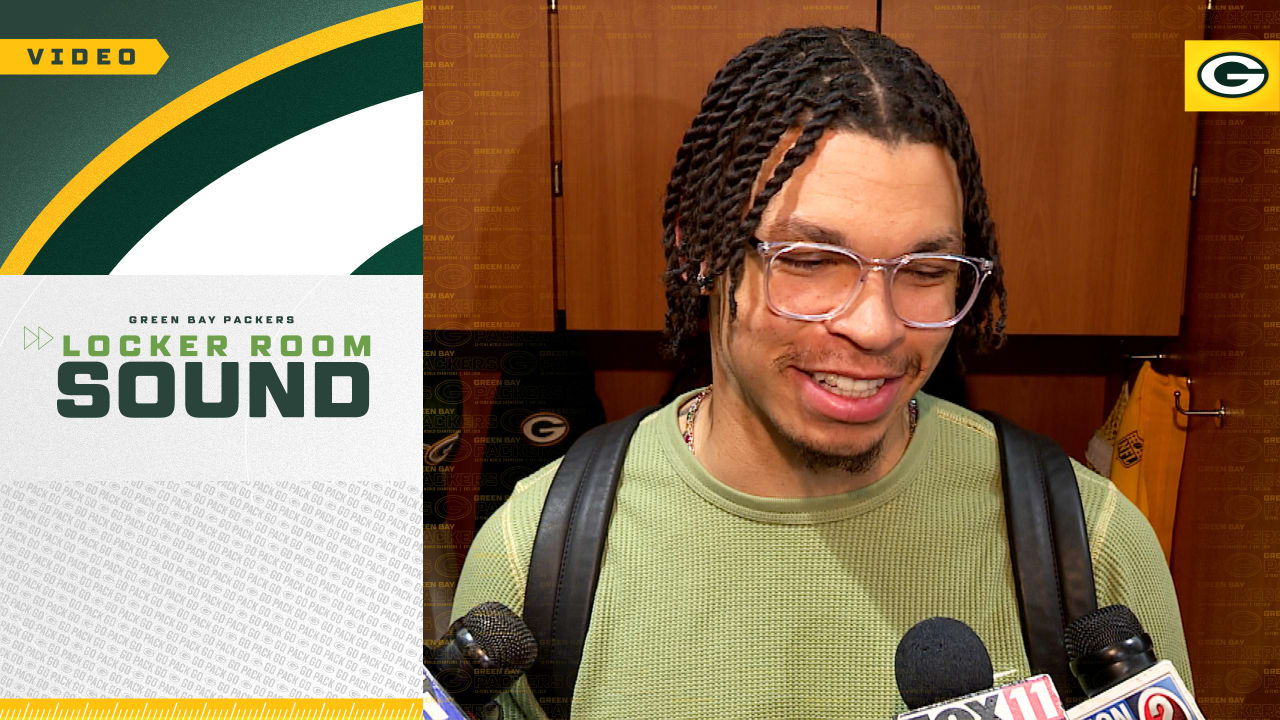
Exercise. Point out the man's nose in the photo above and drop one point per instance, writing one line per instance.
(869, 321)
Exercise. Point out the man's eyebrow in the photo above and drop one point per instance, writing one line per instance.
(812, 232)
(798, 227)
(943, 243)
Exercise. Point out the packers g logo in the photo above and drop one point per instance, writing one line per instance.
(439, 451)
(544, 428)
(1231, 75)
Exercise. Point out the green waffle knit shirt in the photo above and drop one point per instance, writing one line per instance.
(717, 604)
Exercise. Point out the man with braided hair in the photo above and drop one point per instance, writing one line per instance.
(772, 540)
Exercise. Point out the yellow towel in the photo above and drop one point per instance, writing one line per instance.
(1146, 464)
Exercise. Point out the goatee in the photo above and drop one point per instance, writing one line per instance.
(818, 460)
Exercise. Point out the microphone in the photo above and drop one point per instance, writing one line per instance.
(483, 653)
(943, 672)
(1114, 661)
(940, 658)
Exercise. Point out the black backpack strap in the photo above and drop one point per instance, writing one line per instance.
(567, 554)
(1049, 547)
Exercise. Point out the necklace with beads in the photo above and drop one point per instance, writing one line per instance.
(691, 413)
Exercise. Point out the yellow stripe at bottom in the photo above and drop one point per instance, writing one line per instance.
(216, 709)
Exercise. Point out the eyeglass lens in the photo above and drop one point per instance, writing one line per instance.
(805, 281)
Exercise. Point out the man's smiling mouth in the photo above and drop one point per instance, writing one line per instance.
(847, 386)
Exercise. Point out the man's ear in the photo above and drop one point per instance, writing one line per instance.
(704, 288)
(705, 284)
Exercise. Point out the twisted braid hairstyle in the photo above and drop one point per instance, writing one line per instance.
(815, 79)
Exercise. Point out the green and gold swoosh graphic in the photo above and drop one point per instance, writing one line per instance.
(402, 256)
(168, 157)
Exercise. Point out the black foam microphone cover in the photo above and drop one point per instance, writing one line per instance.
(940, 659)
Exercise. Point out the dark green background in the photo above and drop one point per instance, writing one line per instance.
(54, 125)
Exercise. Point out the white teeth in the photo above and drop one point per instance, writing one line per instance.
(848, 387)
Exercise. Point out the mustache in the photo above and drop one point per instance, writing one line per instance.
(907, 366)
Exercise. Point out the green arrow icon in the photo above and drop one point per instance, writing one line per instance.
(38, 337)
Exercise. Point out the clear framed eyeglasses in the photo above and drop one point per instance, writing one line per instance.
(815, 281)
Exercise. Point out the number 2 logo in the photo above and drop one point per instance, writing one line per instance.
(1158, 704)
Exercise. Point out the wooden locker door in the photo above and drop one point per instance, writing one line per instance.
(632, 77)
(1226, 544)
(1086, 151)
(488, 248)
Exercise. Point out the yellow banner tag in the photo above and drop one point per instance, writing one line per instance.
(1231, 75)
(81, 56)
(219, 709)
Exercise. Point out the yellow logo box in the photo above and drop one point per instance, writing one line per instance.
(1231, 76)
